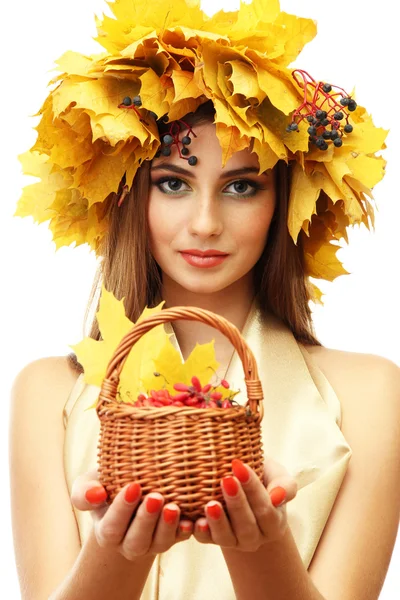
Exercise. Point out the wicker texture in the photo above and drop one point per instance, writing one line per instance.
(181, 452)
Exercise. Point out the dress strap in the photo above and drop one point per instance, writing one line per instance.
(76, 391)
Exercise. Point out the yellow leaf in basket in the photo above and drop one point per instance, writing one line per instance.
(169, 364)
(201, 362)
(95, 356)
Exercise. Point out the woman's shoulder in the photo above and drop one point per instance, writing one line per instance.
(354, 374)
(51, 377)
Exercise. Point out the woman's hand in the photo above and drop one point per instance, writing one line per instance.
(254, 515)
(153, 529)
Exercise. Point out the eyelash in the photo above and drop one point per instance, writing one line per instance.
(256, 186)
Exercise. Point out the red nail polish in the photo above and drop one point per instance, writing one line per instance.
(277, 495)
(230, 486)
(185, 527)
(169, 515)
(132, 492)
(204, 528)
(153, 505)
(240, 471)
(214, 510)
(96, 495)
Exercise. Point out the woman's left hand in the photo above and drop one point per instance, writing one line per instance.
(254, 515)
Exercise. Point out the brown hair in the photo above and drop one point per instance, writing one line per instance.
(129, 271)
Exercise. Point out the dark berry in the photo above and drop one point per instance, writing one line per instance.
(192, 160)
(325, 122)
(186, 140)
(324, 146)
(352, 105)
(293, 127)
(137, 101)
(310, 119)
(168, 139)
(338, 142)
(326, 135)
(320, 142)
(344, 101)
(312, 130)
(166, 151)
(127, 101)
(334, 134)
(327, 87)
(338, 116)
(185, 151)
(348, 128)
(321, 114)
(153, 114)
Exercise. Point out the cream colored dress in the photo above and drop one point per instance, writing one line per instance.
(300, 428)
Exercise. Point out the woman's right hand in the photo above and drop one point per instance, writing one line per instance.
(153, 529)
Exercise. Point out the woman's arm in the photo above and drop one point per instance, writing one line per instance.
(49, 557)
(353, 555)
(101, 574)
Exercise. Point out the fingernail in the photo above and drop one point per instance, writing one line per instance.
(185, 527)
(214, 510)
(132, 492)
(204, 528)
(230, 486)
(169, 515)
(240, 470)
(96, 495)
(277, 496)
(153, 505)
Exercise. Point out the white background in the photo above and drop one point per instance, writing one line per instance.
(44, 293)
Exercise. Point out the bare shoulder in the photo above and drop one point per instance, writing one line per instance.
(350, 373)
(50, 378)
(368, 387)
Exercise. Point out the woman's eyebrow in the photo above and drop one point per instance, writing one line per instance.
(182, 171)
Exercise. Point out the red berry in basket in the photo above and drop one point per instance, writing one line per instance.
(224, 383)
(192, 402)
(196, 383)
(177, 403)
(212, 404)
(216, 395)
(226, 403)
(181, 387)
(157, 403)
(206, 388)
(181, 397)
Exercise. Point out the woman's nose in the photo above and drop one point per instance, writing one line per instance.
(206, 218)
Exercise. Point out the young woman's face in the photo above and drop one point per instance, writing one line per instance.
(207, 209)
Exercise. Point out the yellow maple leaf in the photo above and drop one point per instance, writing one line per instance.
(94, 355)
(152, 353)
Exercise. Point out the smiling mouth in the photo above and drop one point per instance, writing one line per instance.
(203, 261)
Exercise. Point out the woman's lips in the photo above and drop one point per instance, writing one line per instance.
(204, 261)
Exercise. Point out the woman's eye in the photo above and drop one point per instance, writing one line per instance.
(239, 186)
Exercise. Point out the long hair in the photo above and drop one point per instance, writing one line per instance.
(128, 269)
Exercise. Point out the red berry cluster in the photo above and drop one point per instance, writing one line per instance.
(194, 395)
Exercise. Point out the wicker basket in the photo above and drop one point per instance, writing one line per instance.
(181, 452)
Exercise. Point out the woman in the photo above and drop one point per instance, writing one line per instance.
(321, 411)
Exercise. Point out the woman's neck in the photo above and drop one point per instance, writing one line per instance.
(232, 303)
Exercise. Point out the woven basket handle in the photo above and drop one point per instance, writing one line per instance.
(189, 313)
